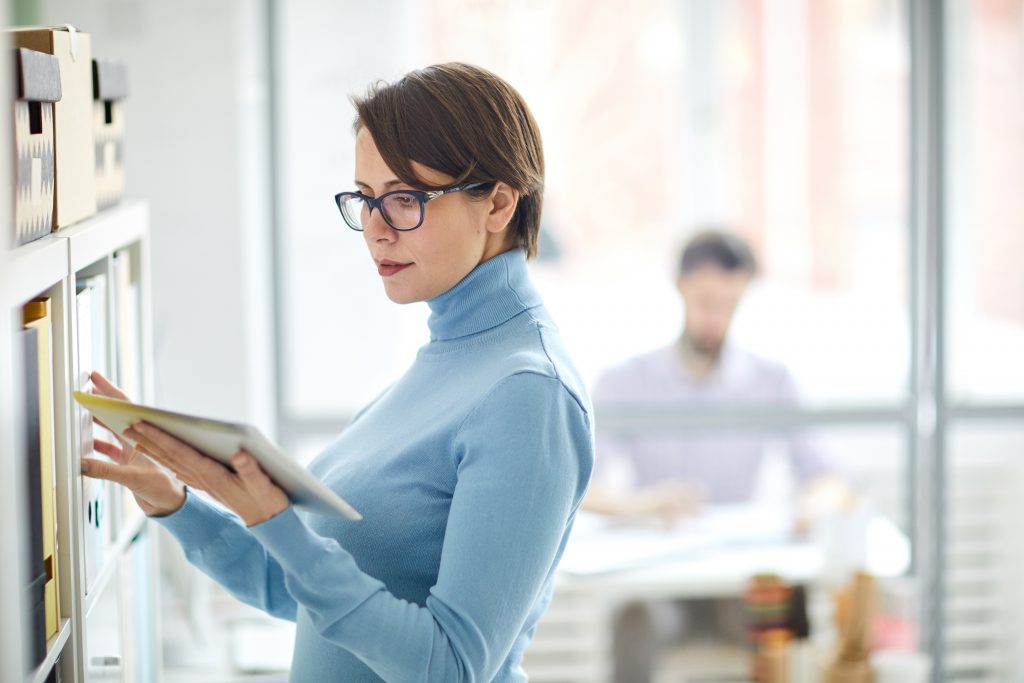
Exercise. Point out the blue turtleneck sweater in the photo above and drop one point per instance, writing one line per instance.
(468, 472)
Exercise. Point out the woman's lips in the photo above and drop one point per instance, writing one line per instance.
(388, 268)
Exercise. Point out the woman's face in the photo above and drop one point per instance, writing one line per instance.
(457, 234)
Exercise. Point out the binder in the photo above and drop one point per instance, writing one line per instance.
(92, 347)
(127, 325)
(35, 601)
(36, 316)
(127, 350)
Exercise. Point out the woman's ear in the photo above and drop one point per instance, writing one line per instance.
(503, 201)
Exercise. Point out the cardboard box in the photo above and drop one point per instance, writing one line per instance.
(109, 88)
(75, 159)
(37, 88)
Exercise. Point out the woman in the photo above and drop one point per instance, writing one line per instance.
(468, 470)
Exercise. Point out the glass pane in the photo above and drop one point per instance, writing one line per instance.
(785, 121)
(985, 208)
(985, 599)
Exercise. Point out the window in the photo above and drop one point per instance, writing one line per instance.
(789, 120)
(985, 210)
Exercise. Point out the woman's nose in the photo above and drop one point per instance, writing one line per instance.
(375, 228)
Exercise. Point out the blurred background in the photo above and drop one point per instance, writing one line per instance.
(796, 123)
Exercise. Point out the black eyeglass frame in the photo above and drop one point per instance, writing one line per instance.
(423, 196)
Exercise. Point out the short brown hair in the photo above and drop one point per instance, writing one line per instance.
(466, 122)
(718, 247)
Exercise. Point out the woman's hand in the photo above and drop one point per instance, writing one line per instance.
(156, 492)
(244, 487)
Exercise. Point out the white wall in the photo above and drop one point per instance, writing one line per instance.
(341, 338)
(197, 151)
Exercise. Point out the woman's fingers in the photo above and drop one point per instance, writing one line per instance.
(157, 454)
(170, 465)
(96, 468)
(140, 440)
(160, 444)
(112, 451)
(99, 469)
(160, 440)
(103, 387)
(155, 492)
(191, 466)
(155, 460)
(243, 486)
(123, 454)
(250, 492)
(247, 469)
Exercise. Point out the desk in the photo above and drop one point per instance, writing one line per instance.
(573, 642)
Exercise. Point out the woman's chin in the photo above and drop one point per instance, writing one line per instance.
(401, 295)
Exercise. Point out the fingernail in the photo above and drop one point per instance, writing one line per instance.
(85, 467)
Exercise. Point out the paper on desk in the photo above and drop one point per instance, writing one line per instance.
(596, 548)
(626, 548)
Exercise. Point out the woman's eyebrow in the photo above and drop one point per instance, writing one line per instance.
(390, 183)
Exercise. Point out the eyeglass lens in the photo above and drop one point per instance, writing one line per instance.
(401, 209)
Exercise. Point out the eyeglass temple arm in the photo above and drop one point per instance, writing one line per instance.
(434, 194)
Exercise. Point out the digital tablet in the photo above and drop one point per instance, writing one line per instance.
(221, 440)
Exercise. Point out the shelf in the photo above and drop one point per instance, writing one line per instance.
(115, 552)
(105, 233)
(54, 648)
(33, 268)
(50, 267)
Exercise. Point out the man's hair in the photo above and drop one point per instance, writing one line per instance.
(719, 248)
(466, 122)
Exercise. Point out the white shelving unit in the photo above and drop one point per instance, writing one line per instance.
(109, 632)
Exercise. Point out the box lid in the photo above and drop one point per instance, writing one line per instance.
(109, 80)
(68, 28)
(37, 75)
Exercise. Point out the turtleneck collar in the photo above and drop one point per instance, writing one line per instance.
(494, 292)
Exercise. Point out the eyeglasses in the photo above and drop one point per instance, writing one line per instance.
(402, 209)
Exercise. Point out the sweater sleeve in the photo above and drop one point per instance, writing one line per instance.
(523, 458)
(218, 543)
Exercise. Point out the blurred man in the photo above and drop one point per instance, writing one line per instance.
(666, 475)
